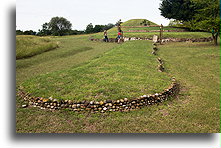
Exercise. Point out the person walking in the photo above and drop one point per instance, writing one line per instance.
(105, 36)
(119, 36)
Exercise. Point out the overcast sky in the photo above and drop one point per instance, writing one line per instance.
(31, 14)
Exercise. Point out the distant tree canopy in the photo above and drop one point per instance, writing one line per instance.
(201, 15)
(59, 26)
(97, 28)
(44, 31)
(182, 10)
(27, 32)
(207, 16)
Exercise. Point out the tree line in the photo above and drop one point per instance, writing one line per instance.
(60, 26)
(196, 15)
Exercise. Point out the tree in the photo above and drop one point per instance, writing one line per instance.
(194, 14)
(59, 26)
(45, 30)
(108, 26)
(29, 32)
(182, 10)
(89, 28)
(19, 32)
(98, 28)
(207, 17)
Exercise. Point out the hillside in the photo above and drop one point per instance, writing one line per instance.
(134, 28)
(137, 22)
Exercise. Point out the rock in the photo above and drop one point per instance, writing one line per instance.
(24, 106)
(155, 48)
(70, 102)
(101, 102)
(86, 103)
(45, 100)
(125, 99)
(73, 106)
(109, 101)
(105, 108)
(154, 53)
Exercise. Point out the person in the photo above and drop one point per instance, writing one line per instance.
(119, 36)
(105, 36)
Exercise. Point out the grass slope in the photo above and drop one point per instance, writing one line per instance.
(136, 22)
(72, 51)
(28, 46)
(130, 70)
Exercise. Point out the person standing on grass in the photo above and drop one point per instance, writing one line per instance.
(119, 36)
(105, 36)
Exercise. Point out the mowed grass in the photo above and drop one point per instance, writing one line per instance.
(136, 22)
(195, 110)
(129, 70)
(72, 51)
(28, 46)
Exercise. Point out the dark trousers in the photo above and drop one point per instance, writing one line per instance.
(106, 39)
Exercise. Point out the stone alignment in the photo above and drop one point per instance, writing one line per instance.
(210, 39)
(122, 105)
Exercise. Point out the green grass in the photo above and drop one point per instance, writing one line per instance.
(72, 51)
(195, 110)
(28, 46)
(136, 22)
(129, 70)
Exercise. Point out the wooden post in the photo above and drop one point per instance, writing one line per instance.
(161, 33)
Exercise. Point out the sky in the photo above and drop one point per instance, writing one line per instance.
(32, 14)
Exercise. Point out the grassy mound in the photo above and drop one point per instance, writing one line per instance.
(136, 22)
(28, 46)
(129, 70)
(112, 33)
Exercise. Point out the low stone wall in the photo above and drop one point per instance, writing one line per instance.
(210, 39)
(156, 31)
(122, 105)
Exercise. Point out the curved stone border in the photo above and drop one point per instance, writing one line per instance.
(156, 31)
(122, 105)
(209, 39)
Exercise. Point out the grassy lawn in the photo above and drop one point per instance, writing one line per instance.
(28, 46)
(129, 70)
(195, 66)
(72, 51)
